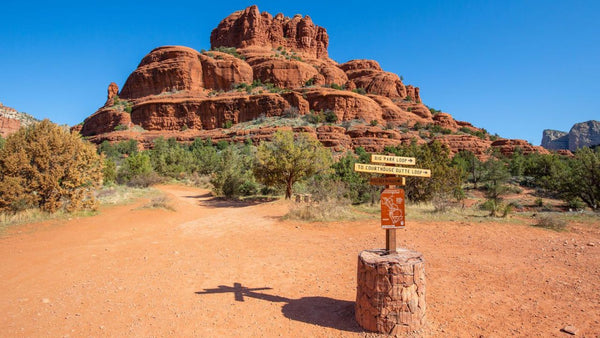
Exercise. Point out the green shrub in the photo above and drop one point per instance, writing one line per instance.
(145, 180)
(121, 127)
(361, 91)
(229, 50)
(551, 222)
(408, 98)
(374, 123)
(109, 172)
(227, 124)
(309, 82)
(330, 116)
(137, 164)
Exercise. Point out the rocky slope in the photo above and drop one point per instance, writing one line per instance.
(11, 120)
(584, 134)
(263, 66)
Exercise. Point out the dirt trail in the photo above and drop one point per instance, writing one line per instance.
(214, 268)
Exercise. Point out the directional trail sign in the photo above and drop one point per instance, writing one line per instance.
(380, 169)
(392, 200)
(393, 159)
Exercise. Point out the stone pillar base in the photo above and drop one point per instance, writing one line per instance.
(390, 296)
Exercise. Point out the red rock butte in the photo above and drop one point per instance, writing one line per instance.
(263, 66)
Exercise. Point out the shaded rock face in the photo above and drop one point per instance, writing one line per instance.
(251, 28)
(555, 140)
(280, 65)
(584, 134)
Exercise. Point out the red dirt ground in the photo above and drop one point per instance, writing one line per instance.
(214, 268)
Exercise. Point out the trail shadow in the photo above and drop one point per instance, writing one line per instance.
(322, 311)
(207, 200)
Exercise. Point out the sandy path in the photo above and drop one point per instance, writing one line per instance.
(215, 268)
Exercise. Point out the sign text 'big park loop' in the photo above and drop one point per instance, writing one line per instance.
(392, 199)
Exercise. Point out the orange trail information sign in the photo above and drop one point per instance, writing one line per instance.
(392, 209)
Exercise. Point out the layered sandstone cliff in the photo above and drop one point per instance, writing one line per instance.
(263, 66)
(11, 120)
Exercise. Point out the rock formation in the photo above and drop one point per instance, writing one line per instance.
(555, 139)
(251, 28)
(11, 120)
(261, 66)
(584, 134)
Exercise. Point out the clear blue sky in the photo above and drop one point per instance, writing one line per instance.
(512, 67)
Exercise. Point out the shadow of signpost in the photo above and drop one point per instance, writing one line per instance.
(322, 311)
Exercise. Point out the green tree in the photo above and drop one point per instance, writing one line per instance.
(584, 179)
(288, 159)
(44, 165)
(495, 179)
(446, 179)
(359, 189)
(2, 142)
(470, 165)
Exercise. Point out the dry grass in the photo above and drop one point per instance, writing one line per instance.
(551, 222)
(120, 194)
(159, 202)
(324, 211)
(114, 195)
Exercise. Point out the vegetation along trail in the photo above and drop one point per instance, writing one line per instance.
(212, 267)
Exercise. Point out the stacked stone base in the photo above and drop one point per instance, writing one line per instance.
(390, 297)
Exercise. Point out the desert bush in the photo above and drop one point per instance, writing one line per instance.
(159, 202)
(330, 116)
(227, 124)
(2, 142)
(229, 50)
(551, 222)
(170, 158)
(332, 210)
(121, 127)
(204, 156)
(374, 123)
(45, 166)
(137, 164)
(109, 172)
(291, 112)
(145, 180)
(232, 177)
(361, 91)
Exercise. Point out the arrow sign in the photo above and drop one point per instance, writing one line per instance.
(393, 159)
(380, 169)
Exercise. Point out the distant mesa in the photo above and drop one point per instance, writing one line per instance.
(262, 66)
(583, 134)
(11, 120)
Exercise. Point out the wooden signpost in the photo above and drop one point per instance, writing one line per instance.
(392, 199)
